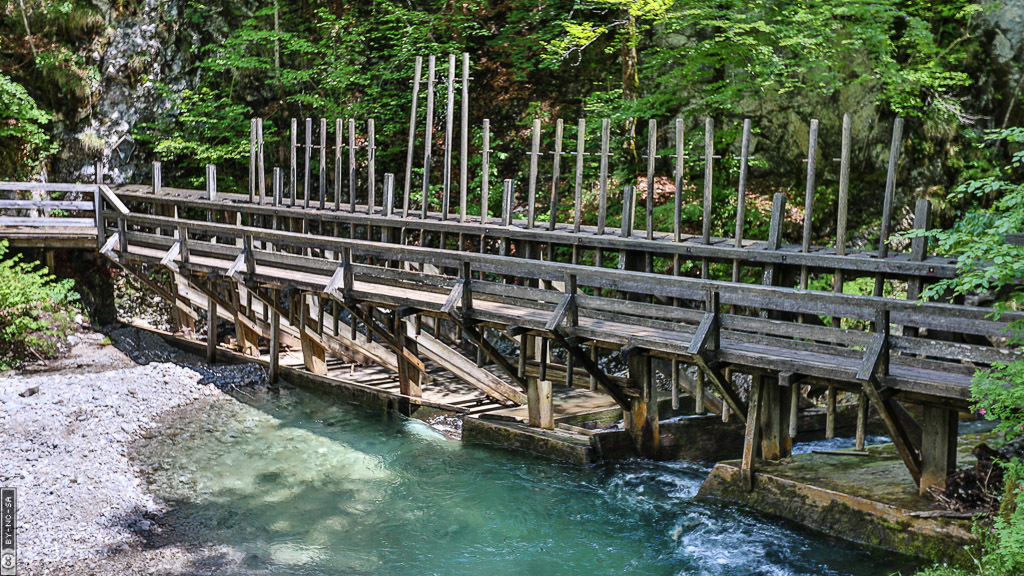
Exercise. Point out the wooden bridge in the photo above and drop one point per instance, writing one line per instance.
(349, 276)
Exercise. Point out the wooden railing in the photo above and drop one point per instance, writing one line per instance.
(54, 212)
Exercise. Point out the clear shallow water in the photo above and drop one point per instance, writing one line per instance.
(304, 485)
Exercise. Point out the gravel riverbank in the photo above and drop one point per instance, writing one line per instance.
(67, 426)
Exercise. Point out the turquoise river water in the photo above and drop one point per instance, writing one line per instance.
(302, 484)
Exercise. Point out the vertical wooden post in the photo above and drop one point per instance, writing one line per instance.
(275, 345)
(339, 138)
(862, 419)
(751, 439)
(675, 384)
(428, 137)
(101, 228)
(293, 162)
(409, 378)
(938, 447)
(581, 145)
(252, 160)
(261, 172)
(157, 178)
(709, 154)
(842, 205)
(322, 189)
(652, 157)
(556, 165)
(775, 236)
(508, 192)
(830, 412)
(677, 225)
(448, 145)
(774, 419)
(307, 167)
(211, 182)
(211, 331)
(531, 198)
(352, 174)
(918, 251)
(593, 359)
(698, 397)
(277, 190)
(741, 196)
(890, 193)
(371, 166)
(485, 172)
(538, 393)
(642, 420)
(794, 409)
(628, 213)
(812, 158)
(602, 202)
(389, 194)
(464, 144)
(313, 354)
(410, 151)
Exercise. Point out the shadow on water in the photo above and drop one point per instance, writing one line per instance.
(288, 482)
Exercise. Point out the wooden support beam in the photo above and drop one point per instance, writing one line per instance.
(314, 355)
(938, 448)
(408, 379)
(641, 422)
(775, 441)
(540, 410)
(751, 438)
(467, 370)
(862, 419)
(211, 331)
(246, 336)
(830, 412)
(275, 346)
(896, 430)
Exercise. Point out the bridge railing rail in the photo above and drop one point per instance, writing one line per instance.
(622, 308)
(57, 208)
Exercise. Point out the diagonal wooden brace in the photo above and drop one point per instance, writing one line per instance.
(565, 311)
(617, 392)
(719, 383)
(489, 350)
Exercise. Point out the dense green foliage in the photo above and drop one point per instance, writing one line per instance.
(22, 130)
(34, 309)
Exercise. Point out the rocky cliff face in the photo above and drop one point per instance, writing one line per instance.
(151, 44)
(136, 50)
(1004, 29)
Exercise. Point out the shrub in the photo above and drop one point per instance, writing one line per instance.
(35, 310)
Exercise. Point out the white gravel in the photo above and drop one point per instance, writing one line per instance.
(82, 503)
